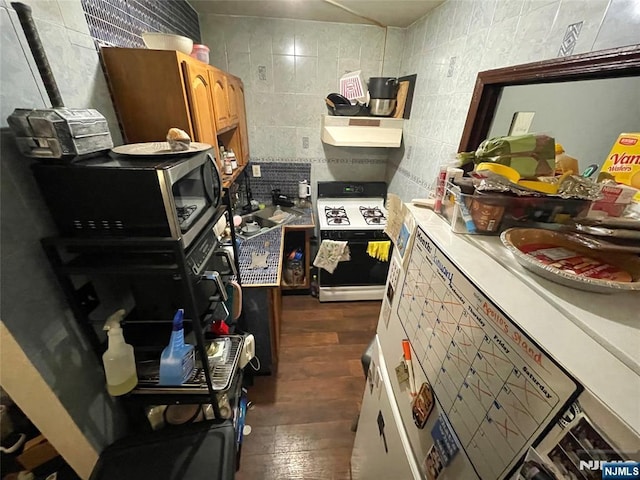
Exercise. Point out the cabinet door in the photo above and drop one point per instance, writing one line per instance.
(232, 96)
(220, 99)
(242, 124)
(200, 102)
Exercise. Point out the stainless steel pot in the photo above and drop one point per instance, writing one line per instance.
(382, 107)
(383, 87)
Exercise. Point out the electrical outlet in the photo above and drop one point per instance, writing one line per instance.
(255, 170)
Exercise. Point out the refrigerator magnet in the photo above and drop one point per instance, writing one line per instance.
(433, 463)
(444, 440)
(422, 405)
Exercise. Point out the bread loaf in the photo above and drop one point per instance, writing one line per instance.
(178, 140)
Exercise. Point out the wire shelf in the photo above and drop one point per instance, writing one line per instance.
(222, 374)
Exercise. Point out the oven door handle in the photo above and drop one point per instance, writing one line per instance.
(215, 278)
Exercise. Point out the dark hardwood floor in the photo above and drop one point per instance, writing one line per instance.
(302, 416)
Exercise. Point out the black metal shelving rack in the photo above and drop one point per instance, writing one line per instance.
(139, 256)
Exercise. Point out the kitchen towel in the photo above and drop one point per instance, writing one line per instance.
(330, 253)
(379, 250)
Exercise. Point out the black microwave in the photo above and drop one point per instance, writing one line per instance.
(163, 196)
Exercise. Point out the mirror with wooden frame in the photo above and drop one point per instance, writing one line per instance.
(612, 63)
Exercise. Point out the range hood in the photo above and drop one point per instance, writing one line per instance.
(361, 131)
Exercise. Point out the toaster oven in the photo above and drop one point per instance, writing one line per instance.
(163, 196)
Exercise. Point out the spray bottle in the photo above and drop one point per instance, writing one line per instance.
(178, 359)
(119, 361)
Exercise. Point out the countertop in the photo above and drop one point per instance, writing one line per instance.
(596, 337)
(271, 243)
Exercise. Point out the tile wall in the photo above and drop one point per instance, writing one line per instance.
(288, 67)
(121, 24)
(458, 39)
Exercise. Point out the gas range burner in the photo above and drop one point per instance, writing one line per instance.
(185, 212)
(336, 216)
(373, 215)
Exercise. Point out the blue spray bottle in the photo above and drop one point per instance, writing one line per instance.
(178, 359)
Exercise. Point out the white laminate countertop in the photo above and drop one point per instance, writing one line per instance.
(595, 337)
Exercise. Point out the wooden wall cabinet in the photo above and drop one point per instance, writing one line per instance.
(220, 99)
(155, 90)
(232, 97)
(200, 97)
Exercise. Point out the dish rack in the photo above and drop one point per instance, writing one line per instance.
(222, 373)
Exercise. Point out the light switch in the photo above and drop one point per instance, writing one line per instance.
(255, 170)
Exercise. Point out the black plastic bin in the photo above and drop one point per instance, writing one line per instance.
(200, 451)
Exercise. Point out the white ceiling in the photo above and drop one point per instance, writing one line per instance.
(396, 13)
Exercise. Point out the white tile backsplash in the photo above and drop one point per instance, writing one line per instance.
(283, 37)
(621, 25)
(306, 43)
(372, 44)
(532, 37)
(240, 65)
(350, 42)
(328, 40)
(284, 73)
(507, 9)
(461, 19)
(590, 13)
(262, 74)
(306, 70)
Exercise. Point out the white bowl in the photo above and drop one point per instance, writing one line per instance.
(167, 41)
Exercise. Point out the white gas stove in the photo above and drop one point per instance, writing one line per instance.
(353, 212)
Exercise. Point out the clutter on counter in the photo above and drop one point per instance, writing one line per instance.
(557, 223)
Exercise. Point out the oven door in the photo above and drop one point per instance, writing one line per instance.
(361, 270)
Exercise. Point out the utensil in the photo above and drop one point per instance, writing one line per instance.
(57, 132)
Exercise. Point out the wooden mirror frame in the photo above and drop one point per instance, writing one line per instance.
(616, 62)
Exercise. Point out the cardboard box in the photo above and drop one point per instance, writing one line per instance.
(614, 202)
(37, 451)
(623, 161)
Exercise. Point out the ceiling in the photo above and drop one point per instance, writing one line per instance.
(395, 13)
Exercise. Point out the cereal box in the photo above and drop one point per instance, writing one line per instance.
(623, 161)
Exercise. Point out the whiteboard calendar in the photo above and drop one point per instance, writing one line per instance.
(498, 388)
